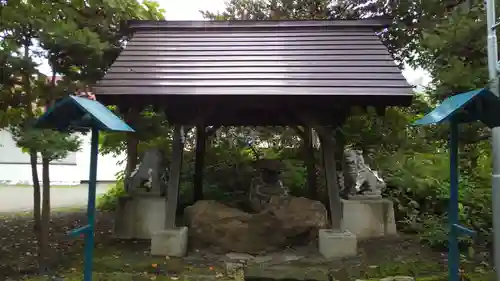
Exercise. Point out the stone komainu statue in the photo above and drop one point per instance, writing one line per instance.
(357, 178)
(150, 175)
(266, 184)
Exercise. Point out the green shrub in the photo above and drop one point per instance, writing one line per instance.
(109, 200)
(419, 186)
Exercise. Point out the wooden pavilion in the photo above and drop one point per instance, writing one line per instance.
(246, 73)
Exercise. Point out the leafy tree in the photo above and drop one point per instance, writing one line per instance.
(80, 39)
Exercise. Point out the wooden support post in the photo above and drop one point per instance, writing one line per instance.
(202, 135)
(380, 110)
(201, 145)
(307, 151)
(327, 141)
(174, 177)
(330, 171)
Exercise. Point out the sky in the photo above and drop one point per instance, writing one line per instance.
(189, 10)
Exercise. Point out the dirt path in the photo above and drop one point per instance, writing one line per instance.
(14, 199)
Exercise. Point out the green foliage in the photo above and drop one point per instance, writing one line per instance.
(109, 200)
(53, 145)
(419, 185)
(79, 39)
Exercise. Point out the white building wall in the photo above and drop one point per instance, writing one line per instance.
(15, 167)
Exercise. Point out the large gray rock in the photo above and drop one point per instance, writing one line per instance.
(229, 229)
(298, 215)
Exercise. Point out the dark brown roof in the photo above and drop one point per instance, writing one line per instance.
(232, 62)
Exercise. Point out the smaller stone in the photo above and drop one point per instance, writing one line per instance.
(337, 244)
(170, 242)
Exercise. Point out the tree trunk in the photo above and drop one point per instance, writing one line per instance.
(36, 195)
(33, 153)
(45, 224)
(201, 146)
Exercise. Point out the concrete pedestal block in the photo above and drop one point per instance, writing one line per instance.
(139, 216)
(337, 244)
(170, 242)
(369, 218)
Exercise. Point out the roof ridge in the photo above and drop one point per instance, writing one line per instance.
(378, 22)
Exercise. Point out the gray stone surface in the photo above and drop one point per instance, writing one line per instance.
(369, 218)
(333, 244)
(138, 217)
(15, 199)
(170, 242)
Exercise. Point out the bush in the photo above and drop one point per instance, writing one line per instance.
(109, 200)
(419, 186)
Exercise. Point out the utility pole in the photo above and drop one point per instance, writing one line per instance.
(493, 69)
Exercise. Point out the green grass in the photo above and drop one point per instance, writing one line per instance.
(130, 263)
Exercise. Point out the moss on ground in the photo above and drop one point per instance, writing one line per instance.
(128, 260)
(422, 270)
(123, 268)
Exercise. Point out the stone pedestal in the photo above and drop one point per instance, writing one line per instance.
(369, 218)
(170, 242)
(139, 216)
(337, 244)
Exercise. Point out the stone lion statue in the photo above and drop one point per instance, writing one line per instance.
(149, 176)
(357, 178)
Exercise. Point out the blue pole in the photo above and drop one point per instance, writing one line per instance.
(89, 235)
(453, 252)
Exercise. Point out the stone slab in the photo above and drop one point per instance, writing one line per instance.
(337, 244)
(138, 217)
(170, 242)
(369, 218)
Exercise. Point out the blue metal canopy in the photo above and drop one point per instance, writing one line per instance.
(480, 104)
(81, 114)
(78, 113)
